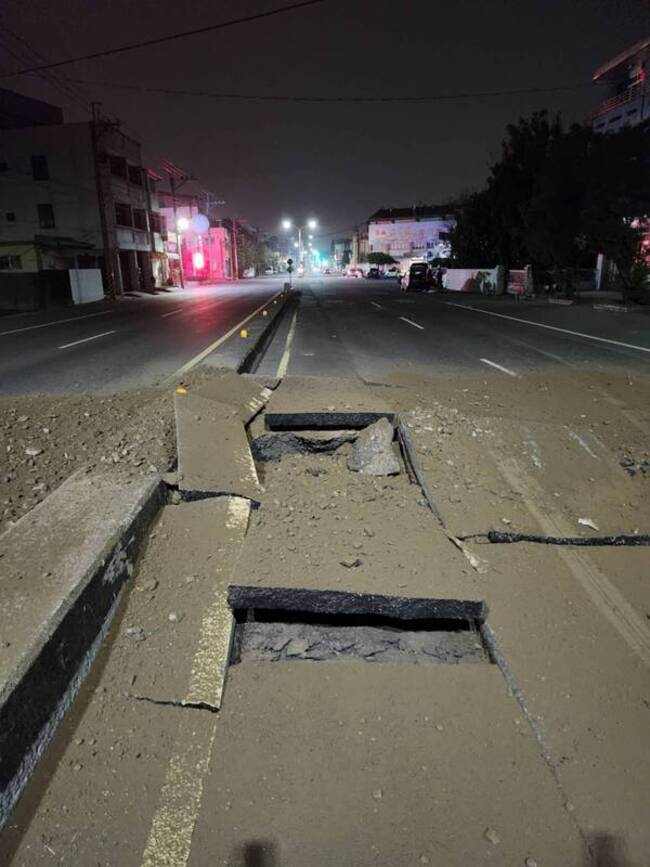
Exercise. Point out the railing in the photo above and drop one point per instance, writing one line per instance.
(628, 95)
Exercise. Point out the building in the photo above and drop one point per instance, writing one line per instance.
(203, 246)
(77, 196)
(360, 245)
(406, 233)
(17, 111)
(624, 82)
(341, 252)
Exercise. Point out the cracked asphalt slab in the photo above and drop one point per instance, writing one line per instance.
(533, 756)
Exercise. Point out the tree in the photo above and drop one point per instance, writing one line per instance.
(380, 259)
(617, 200)
(557, 197)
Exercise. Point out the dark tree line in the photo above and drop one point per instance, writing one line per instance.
(557, 197)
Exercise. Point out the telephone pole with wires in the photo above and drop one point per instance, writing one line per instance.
(97, 126)
(177, 177)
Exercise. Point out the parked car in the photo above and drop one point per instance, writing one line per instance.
(418, 279)
(373, 273)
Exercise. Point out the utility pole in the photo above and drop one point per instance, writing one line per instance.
(235, 258)
(177, 178)
(109, 252)
(179, 243)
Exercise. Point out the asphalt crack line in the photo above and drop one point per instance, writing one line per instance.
(56, 322)
(609, 601)
(410, 322)
(551, 327)
(284, 361)
(378, 306)
(86, 339)
(499, 367)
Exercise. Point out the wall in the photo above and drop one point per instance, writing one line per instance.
(402, 238)
(70, 189)
(86, 285)
(464, 279)
(34, 291)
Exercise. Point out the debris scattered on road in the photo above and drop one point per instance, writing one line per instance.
(373, 452)
(491, 836)
(587, 522)
(351, 564)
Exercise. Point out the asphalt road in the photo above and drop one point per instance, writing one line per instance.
(344, 328)
(135, 342)
(370, 329)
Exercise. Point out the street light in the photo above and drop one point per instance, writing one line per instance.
(311, 224)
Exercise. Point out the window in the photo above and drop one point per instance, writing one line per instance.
(40, 171)
(10, 263)
(155, 222)
(117, 166)
(135, 175)
(46, 216)
(140, 219)
(123, 215)
(10, 216)
(3, 166)
(443, 236)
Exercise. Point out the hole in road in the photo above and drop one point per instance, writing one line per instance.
(284, 625)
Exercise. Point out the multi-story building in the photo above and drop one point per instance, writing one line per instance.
(626, 95)
(341, 252)
(360, 246)
(202, 245)
(74, 196)
(406, 233)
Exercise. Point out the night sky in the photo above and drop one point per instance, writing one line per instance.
(336, 162)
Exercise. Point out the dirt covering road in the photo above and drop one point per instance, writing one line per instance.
(527, 746)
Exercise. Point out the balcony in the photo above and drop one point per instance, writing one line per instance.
(635, 91)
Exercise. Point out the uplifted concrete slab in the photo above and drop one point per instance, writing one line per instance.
(383, 765)
(214, 456)
(246, 394)
(319, 394)
(178, 610)
(321, 526)
(63, 568)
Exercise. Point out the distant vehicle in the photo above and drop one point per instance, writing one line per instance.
(418, 279)
(269, 271)
(374, 274)
(327, 270)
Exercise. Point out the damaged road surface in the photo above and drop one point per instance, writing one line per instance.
(331, 652)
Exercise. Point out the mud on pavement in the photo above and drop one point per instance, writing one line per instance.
(382, 689)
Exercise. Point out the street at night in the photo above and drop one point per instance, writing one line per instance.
(325, 418)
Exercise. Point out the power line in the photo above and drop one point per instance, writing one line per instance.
(245, 19)
(436, 97)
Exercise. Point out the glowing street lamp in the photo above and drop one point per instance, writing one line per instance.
(182, 224)
(311, 224)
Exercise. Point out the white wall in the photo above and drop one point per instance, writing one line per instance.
(464, 279)
(86, 285)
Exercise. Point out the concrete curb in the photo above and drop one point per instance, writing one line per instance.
(251, 360)
(64, 567)
(612, 308)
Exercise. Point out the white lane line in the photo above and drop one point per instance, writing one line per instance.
(378, 306)
(173, 312)
(86, 339)
(551, 327)
(284, 361)
(217, 343)
(499, 367)
(410, 322)
(57, 322)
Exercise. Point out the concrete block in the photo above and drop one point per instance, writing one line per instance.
(63, 568)
(214, 456)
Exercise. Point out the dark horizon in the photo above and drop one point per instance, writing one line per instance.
(337, 162)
